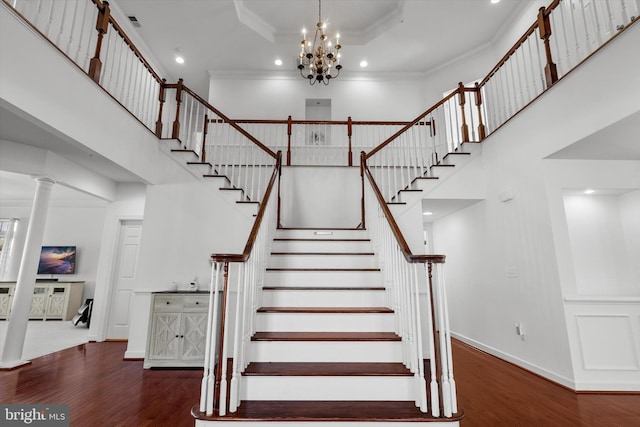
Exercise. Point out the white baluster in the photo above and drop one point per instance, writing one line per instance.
(433, 385)
(222, 398)
(447, 330)
(234, 395)
(209, 398)
(421, 382)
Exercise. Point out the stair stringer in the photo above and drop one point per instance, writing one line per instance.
(204, 172)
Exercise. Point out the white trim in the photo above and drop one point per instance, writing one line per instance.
(601, 299)
(133, 354)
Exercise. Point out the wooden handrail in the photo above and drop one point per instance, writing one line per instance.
(397, 233)
(325, 122)
(246, 253)
(227, 120)
(411, 124)
(128, 41)
(517, 44)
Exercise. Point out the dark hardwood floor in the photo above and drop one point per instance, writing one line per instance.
(104, 390)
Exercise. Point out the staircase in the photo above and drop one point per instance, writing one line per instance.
(325, 347)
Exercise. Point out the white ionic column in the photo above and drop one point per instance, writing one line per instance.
(21, 306)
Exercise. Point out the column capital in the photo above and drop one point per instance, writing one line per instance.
(45, 180)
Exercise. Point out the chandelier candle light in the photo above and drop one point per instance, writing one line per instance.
(319, 57)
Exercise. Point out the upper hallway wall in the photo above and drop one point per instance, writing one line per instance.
(263, 98)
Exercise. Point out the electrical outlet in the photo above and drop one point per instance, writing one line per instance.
(519, 330)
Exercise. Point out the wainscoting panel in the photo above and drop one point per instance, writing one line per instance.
(604, 335)
(606, 342)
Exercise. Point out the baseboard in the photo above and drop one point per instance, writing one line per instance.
(134, 355)
(607, 388)
(537, 370)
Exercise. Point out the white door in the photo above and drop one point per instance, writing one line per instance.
(124, 279)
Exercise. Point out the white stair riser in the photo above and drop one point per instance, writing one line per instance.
(324, 298)
(216, 182)
(325, 351)
(442, 172)
(186, 156)
(470, 147)
(457, 159)
(204, 169)
(410, 197)
(321, 234)
(322, 278)
(324, 246)
(328, 388)
(325, 322)
(232, 195)
(322, 261)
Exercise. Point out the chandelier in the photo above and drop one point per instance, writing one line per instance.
(318, 57)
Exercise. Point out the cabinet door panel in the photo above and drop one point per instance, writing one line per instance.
(5, 301)
(165, 336)
(56, 306)
(195, 329)
(39, 301)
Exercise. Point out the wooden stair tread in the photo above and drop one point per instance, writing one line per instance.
(291, 239)
(322, 288)
(325, 336)
(326, 369)
(324, 253)
(350, 310)
(319, 269)
(307, 410)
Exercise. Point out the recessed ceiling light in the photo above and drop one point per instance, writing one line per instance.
(363, 64)
(278, 62)
(427, 213)
(589, 191)
(495, 1)
(178, 55)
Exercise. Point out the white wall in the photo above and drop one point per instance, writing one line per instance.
(128, 205)
(511, 261)
(321, 197)
(599, 246)
(276, 99)
(183, 225)
(630, 218)
(79, 226)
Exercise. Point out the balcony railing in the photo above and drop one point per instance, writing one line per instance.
(562, 36)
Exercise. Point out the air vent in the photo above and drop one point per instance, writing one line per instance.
(134, 21)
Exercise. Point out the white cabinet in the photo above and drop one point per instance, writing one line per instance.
(177, 330)
(6, 296)
(51, 300)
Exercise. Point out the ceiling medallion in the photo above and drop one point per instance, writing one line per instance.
(319, 59)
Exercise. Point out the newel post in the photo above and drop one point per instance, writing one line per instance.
(363, 165)
(203, 156)
(217, 395)
(544, 28)
(161, 99)
(481, 130)
(464, 128)
(289, 126)
(102, 25)
(349, 133)
(175, 134)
